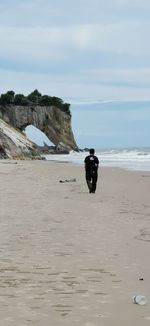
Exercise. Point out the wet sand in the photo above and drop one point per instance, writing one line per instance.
(68, 257)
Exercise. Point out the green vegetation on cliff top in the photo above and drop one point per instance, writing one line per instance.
(34, 98)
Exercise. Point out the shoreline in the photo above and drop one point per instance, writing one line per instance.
(14, 161)
(69, 257)
(129, 160)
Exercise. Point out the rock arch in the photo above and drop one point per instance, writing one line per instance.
(55, 123)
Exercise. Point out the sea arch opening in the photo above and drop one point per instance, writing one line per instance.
(37, 136)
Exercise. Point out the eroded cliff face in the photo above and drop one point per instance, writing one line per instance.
(55, 123)
(14, 144)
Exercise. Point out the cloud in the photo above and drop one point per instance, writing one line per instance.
(45, 13)
(32, 44)
(128, 37)
(55, 12)
(88, 101)
(68, 86)
(137, 4)
(102, 49)
(55, 42)
(136, 76)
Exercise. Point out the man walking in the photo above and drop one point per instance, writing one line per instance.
(91, 170)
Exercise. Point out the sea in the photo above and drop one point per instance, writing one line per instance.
(137, 159)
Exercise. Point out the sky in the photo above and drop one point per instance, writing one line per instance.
(93, 54)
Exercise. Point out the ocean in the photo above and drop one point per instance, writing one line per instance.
(137, 159)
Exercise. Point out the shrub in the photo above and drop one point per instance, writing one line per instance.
(34, 98)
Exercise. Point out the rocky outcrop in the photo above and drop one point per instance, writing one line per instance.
(55, 123)
(14, 144)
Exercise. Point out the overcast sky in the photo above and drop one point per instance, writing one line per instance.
(77, 50)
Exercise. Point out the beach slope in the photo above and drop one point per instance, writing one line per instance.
(68, 257)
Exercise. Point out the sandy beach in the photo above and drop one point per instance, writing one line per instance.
(68, 257)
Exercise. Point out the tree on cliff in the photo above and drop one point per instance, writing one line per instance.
(20, 99)
(7, 98)
(34, 98)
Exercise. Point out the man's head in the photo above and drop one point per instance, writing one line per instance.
(92, 151)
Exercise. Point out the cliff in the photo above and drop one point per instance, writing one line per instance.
(55, 123)
(14, 144)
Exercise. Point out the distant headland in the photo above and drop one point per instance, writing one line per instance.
(47, 113)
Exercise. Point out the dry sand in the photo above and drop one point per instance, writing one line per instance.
(68, 257)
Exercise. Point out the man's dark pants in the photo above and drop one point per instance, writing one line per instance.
(91, 179)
